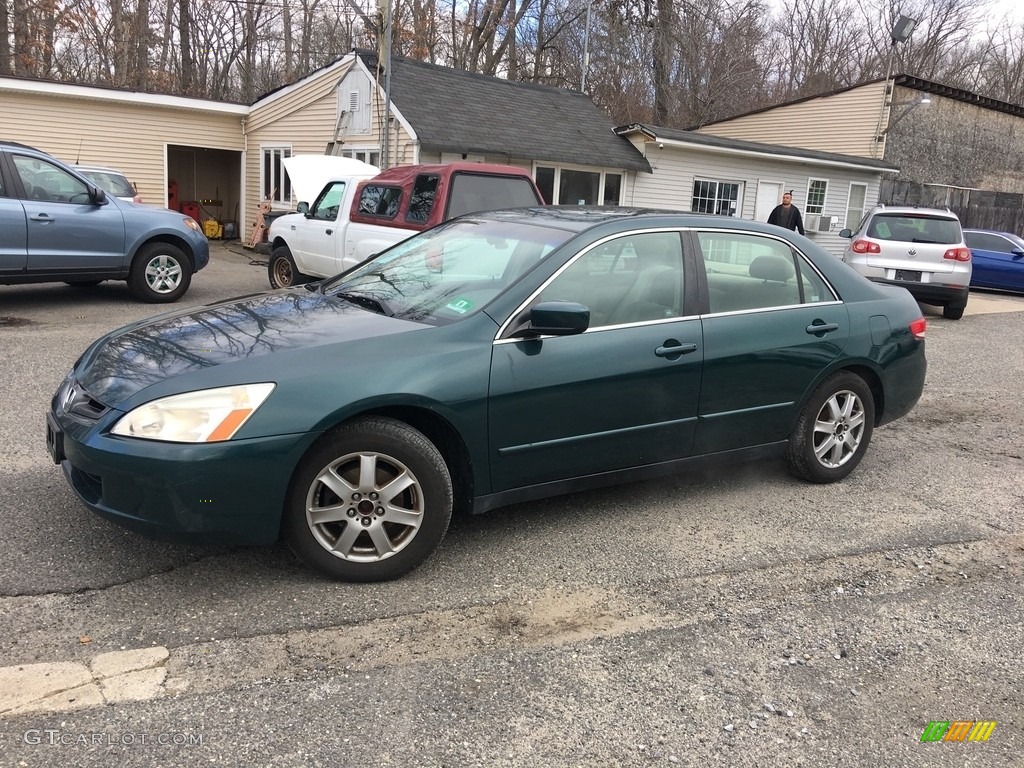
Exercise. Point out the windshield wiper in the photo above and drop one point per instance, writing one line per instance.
(368, 302)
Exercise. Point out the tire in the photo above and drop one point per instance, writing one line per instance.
(833, 431)
(160, 274)
(953, 313)
(83, 283)
(362, 533)
(282, 271)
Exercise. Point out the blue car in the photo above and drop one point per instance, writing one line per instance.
(998, 259)
(57, 225)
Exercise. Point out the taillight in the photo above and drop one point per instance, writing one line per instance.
(865, 246)
(958, 254)
(918, 327)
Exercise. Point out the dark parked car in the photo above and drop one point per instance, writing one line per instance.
(497, 358)
(56, 225)
(998, 259)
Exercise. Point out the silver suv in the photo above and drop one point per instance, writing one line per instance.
(920, 249)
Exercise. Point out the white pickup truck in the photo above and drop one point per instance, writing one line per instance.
(359, 212)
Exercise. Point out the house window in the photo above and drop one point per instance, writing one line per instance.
(365, 154)
(545, 178)
(855, 204)
(579, 187)
(816, 190)
(276, 185)
(575, 186)
(612, 189)
(720, 197)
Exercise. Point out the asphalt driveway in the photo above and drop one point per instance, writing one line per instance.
(736, 617)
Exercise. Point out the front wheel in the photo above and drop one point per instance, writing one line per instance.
(282, 270)
(160, 274)
(833, 431)
(371, 501)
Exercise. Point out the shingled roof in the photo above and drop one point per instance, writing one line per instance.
(465, 112)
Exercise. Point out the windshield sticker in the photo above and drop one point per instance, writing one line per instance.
(460, 305)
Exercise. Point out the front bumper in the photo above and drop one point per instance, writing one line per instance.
(230, 492)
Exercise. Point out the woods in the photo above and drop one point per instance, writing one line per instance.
(676, 63)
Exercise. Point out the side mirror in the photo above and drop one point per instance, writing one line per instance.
(847, 233)
(559, 318)
(1017, 252)
(303, 208)
(99, 196)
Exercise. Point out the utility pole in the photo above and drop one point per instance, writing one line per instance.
(384, 56)
(586, 50)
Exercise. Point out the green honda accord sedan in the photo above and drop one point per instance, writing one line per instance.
(497, 358)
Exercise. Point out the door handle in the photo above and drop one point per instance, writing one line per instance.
(329, 231)
(820, 327)
(673, 351)
(291, 227)
(41, 217)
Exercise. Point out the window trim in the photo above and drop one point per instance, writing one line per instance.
(278, 202)
(807, 197)
(740, 194)
(602, 170)
(349, 150)
(864, 205)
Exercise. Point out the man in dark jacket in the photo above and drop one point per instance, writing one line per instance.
(787, 215)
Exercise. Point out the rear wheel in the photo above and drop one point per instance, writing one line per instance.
(371, 501)
(282, 270)
(953, 313)
(833, 431)
(161, 273)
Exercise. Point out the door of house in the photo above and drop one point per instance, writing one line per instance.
(769, 194)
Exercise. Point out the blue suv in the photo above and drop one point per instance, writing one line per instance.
(57, 226)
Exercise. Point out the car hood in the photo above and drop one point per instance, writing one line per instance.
(201, 338)
(309, 173)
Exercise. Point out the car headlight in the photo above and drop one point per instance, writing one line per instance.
(206, 416)
(192, 224)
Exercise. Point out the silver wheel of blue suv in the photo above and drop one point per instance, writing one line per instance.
(920, 249)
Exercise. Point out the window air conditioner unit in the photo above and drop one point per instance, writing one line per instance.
(811, 221)
(826, 223)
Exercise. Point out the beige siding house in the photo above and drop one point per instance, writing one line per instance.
(950, 141)
(845, 122)
(152, 138)
(745, 179)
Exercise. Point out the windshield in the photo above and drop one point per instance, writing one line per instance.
(448, 272)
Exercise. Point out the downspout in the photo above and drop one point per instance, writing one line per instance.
(239, 228)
